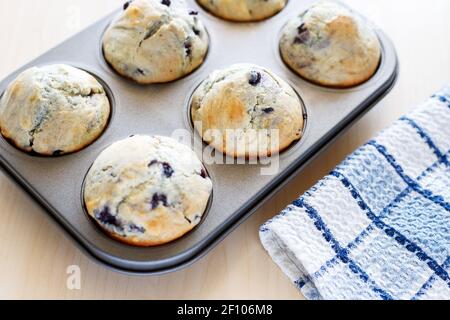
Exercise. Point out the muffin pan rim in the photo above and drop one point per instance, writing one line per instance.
(185, 257)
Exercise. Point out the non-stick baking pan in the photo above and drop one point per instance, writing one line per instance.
(56, 183)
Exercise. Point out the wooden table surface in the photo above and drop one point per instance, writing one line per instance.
(35, 253)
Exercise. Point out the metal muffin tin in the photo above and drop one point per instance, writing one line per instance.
(56, 183)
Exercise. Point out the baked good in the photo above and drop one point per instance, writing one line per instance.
(331, 45)
(247, 111)
(243, 10)
(155, 41)
(53, 110)
(147, 190)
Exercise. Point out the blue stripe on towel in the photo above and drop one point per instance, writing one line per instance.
(439, 200)
(341, 253)
(429, 284)
(424, 136)
(442, 99)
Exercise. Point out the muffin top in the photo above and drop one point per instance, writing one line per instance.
(53, 110)
(147, 190)
(243, 10)
(155, 41)
(247, 111)
(331, 45)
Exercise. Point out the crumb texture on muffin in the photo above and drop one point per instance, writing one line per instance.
(147, 190)
(331, 45)
(54, 110)
(155, 41)
(247, 111)
(243, 10)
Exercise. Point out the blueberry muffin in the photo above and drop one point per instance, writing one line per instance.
(331, 45)
(155, 41)
(147, 190)
(247, 111)
(53, 110)
(243, 10)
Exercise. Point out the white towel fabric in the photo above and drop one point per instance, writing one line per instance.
(378, 227)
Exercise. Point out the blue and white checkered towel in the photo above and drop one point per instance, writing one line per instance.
(378, 227)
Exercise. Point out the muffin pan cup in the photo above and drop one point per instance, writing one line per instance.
(239, 190)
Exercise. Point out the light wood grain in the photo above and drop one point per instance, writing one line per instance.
(34, 253)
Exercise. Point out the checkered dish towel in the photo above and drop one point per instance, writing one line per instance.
(378, 227)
